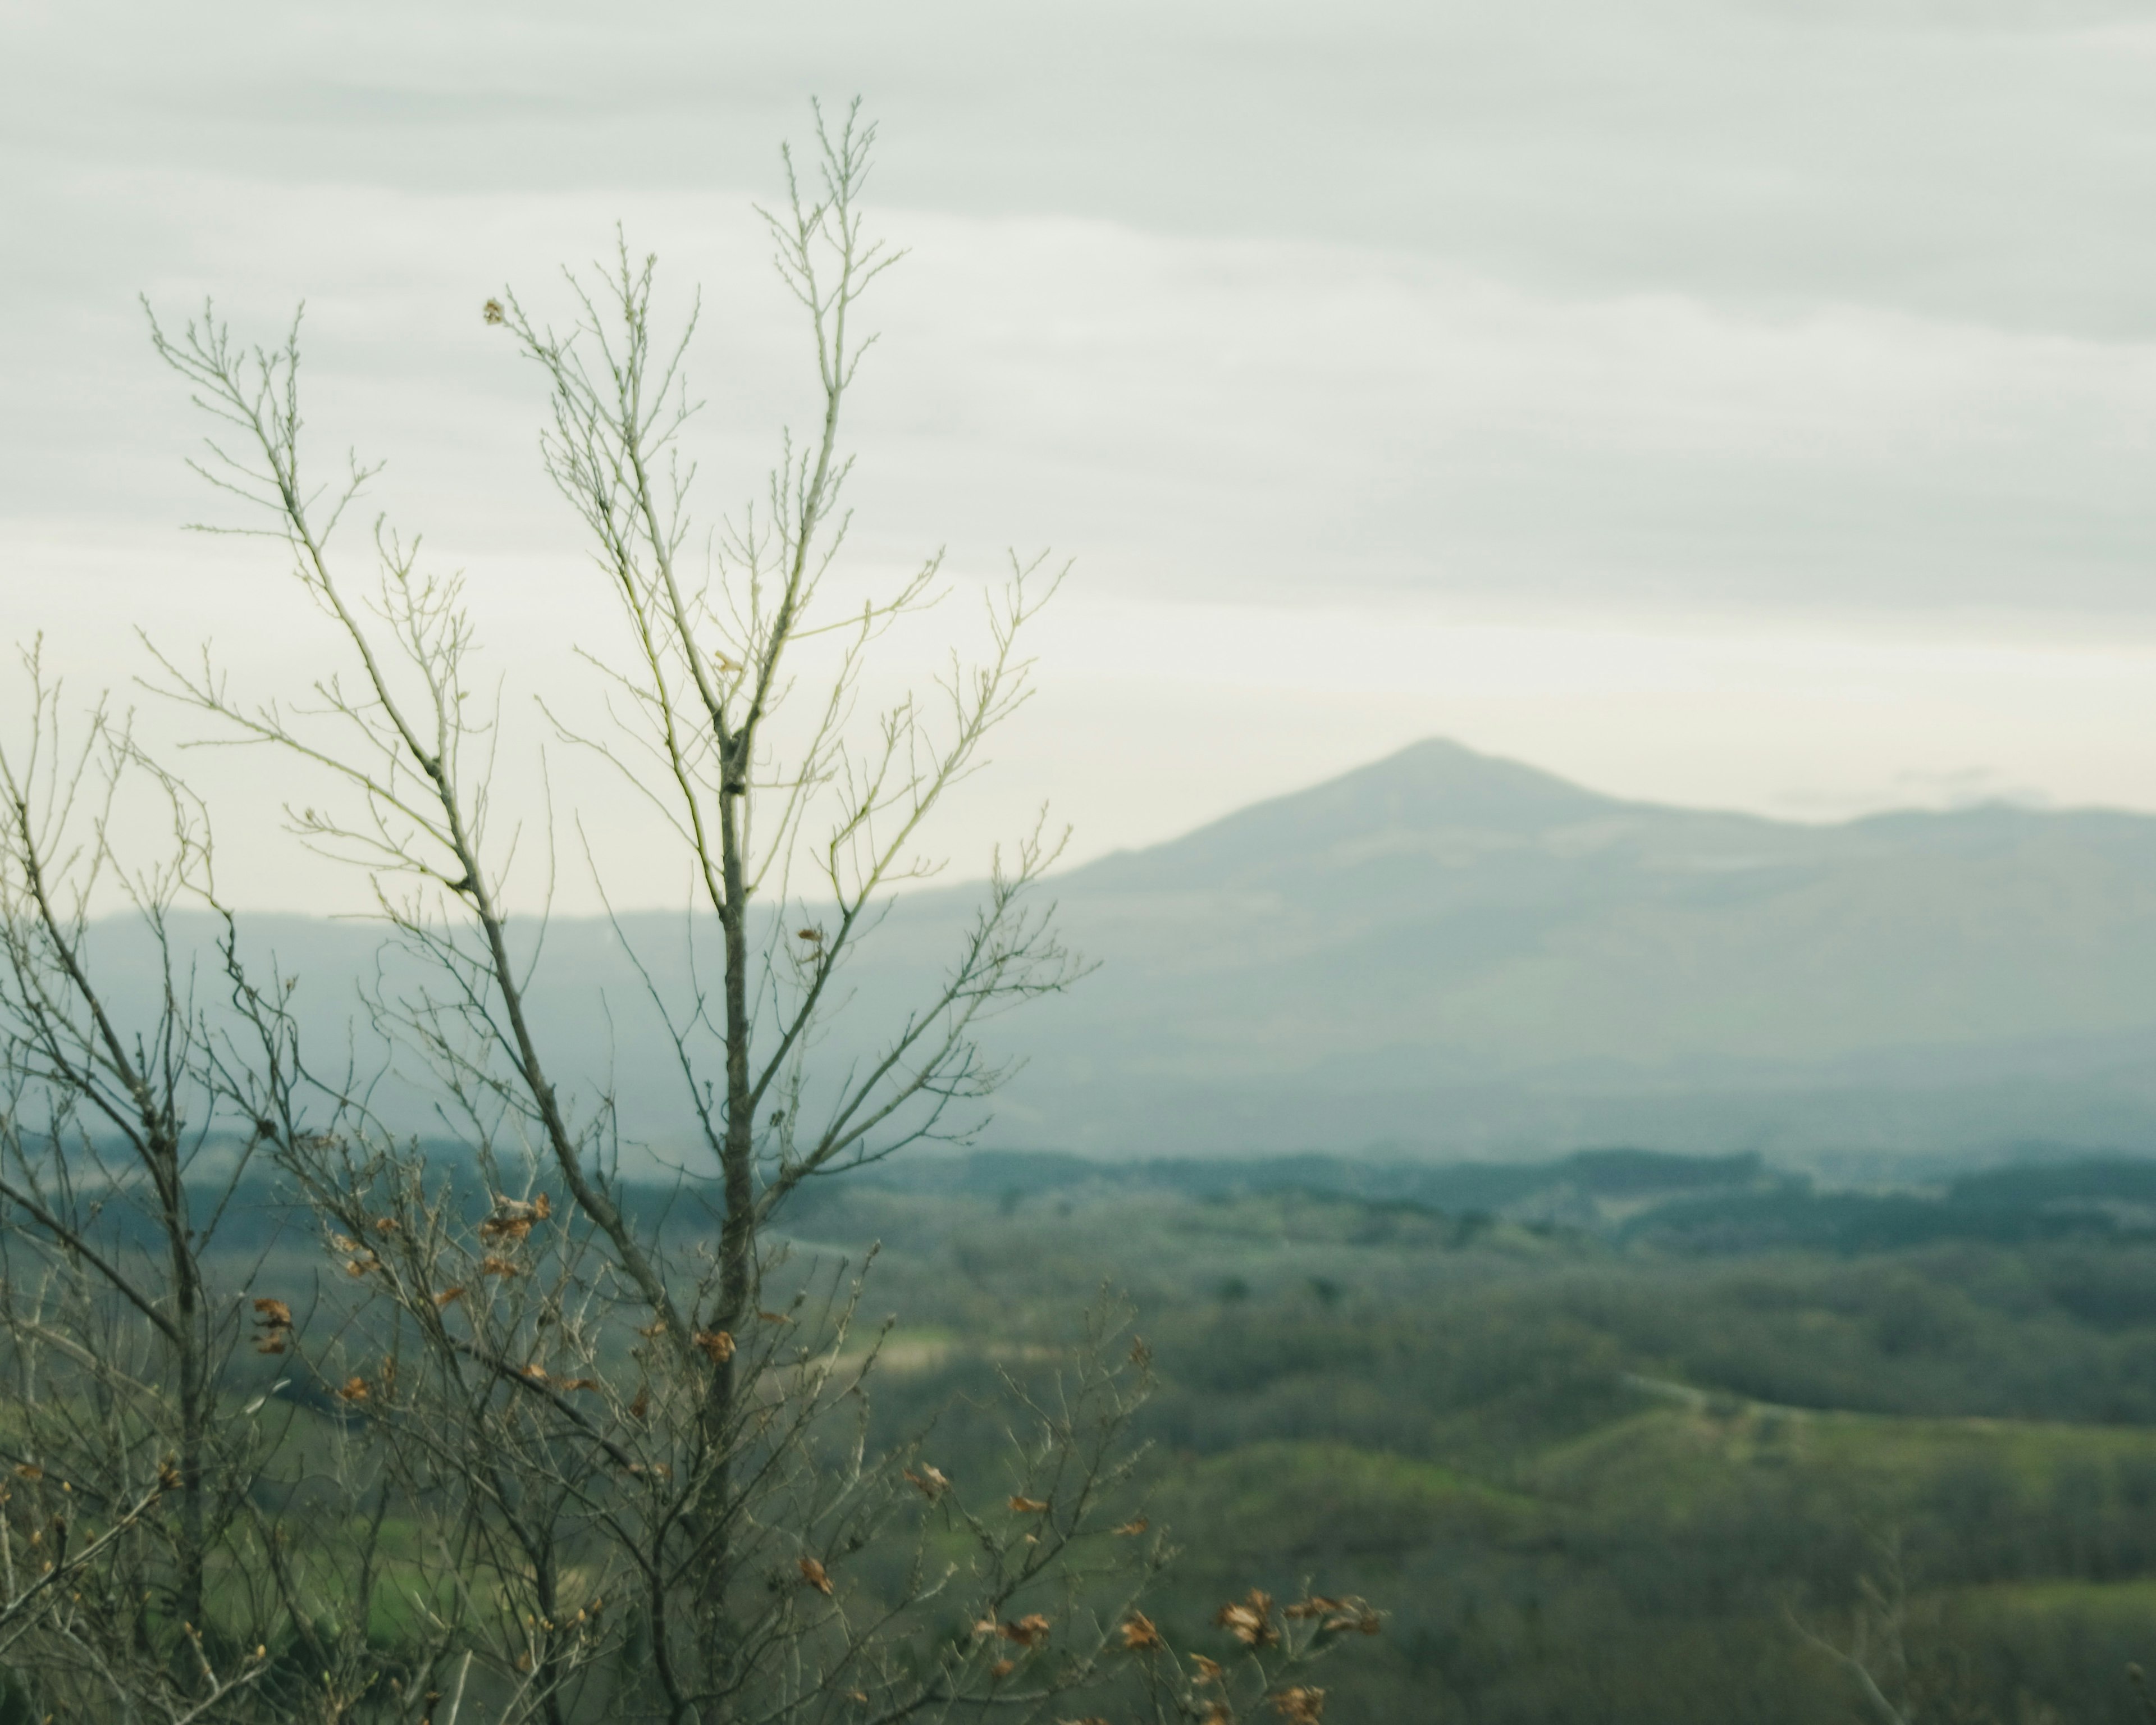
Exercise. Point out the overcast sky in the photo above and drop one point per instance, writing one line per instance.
(1745, 404)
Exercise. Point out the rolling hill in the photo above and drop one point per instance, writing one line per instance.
(1445, 954)
(1444, 951)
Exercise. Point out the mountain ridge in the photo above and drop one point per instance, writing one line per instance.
(1453, 955)
(1576, 952)
(1437, 793)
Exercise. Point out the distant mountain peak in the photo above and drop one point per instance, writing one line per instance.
(1432, 784)
(1432, 787)
(1441, 778)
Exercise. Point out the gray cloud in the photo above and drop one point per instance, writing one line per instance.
(1583, 316)
(1979, 160)
(1731, 235)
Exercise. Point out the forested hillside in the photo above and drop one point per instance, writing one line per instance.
(1602, 1469)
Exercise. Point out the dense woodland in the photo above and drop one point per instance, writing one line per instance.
(1624, 1438)
(1646, 1465)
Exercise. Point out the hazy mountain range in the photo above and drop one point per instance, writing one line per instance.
(1446, 954)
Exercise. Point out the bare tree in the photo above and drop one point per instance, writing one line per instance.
(141, 1575)
(620, 1450)
(544, 1443)
(1894, 1652)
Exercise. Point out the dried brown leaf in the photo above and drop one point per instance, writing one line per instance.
(1250, 1619)
(717, 1344)
(1316, 1605)
(1300, 1705)
(1140, 1633)
(1029, 1506)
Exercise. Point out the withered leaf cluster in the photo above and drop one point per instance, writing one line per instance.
(274, 1318)
(1250, 1619)
(512, 1218)
(717, 1345)
(1029, 1631)
(1338, 1616)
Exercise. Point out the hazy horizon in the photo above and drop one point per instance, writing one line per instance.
(1441, 955)
(1733, 405)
